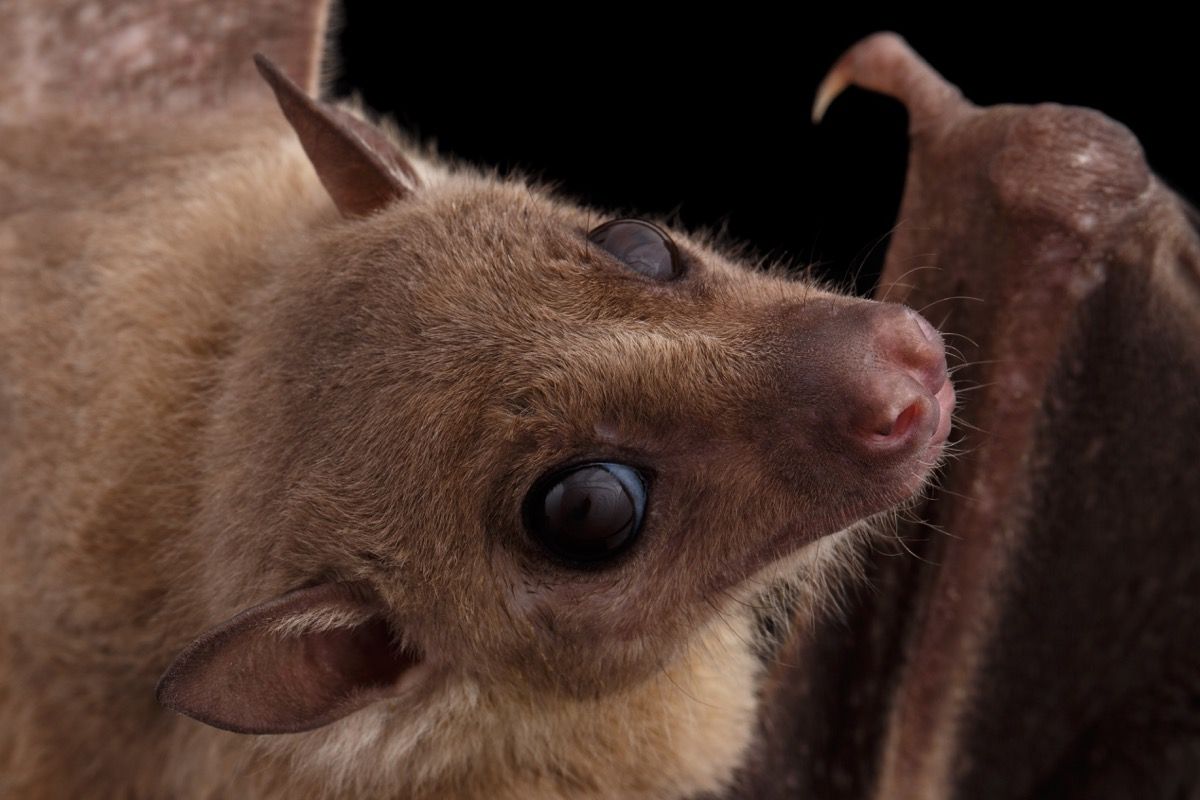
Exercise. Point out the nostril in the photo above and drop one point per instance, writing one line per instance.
(893, 413)
(900, 425)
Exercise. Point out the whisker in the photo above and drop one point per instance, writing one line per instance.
(893, 284)
(927, 306)
(962, 423)
(969, 389)
(970, 341)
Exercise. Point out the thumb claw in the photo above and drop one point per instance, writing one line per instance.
(884, 63)
(835, 82)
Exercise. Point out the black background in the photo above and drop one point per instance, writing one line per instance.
(710, 121)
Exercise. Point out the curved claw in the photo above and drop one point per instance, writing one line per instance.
(834, 83)
(884, 63)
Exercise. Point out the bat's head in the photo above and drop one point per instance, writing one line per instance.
(490, 433)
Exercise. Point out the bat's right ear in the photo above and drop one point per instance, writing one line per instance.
(360, 167)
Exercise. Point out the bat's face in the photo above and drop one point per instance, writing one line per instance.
(553, 446)
(549, 436)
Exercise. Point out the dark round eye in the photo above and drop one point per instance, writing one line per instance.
(641, 246)
(587, 512)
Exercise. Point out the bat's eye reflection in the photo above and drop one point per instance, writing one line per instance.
(639, 245)
(587, 512)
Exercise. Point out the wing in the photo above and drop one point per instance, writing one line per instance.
(154, 55)
(1044, 644)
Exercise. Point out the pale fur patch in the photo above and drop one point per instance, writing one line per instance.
(320, 619)
(682, 732)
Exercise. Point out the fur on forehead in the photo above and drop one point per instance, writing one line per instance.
(480, 209)
(481, 268)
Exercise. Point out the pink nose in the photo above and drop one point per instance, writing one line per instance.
(903, 399)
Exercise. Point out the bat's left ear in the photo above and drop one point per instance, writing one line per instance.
(360, 167)
(291, 664)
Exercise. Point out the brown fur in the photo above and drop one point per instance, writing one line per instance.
(214, 390)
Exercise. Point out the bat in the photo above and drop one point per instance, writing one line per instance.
(1044, 644)
(336, 468)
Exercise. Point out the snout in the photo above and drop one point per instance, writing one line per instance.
(901, 401)
(864, 396)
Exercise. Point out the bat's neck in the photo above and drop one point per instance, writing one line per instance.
(682, 732)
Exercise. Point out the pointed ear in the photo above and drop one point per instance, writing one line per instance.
(293, 664)
(359, 166)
